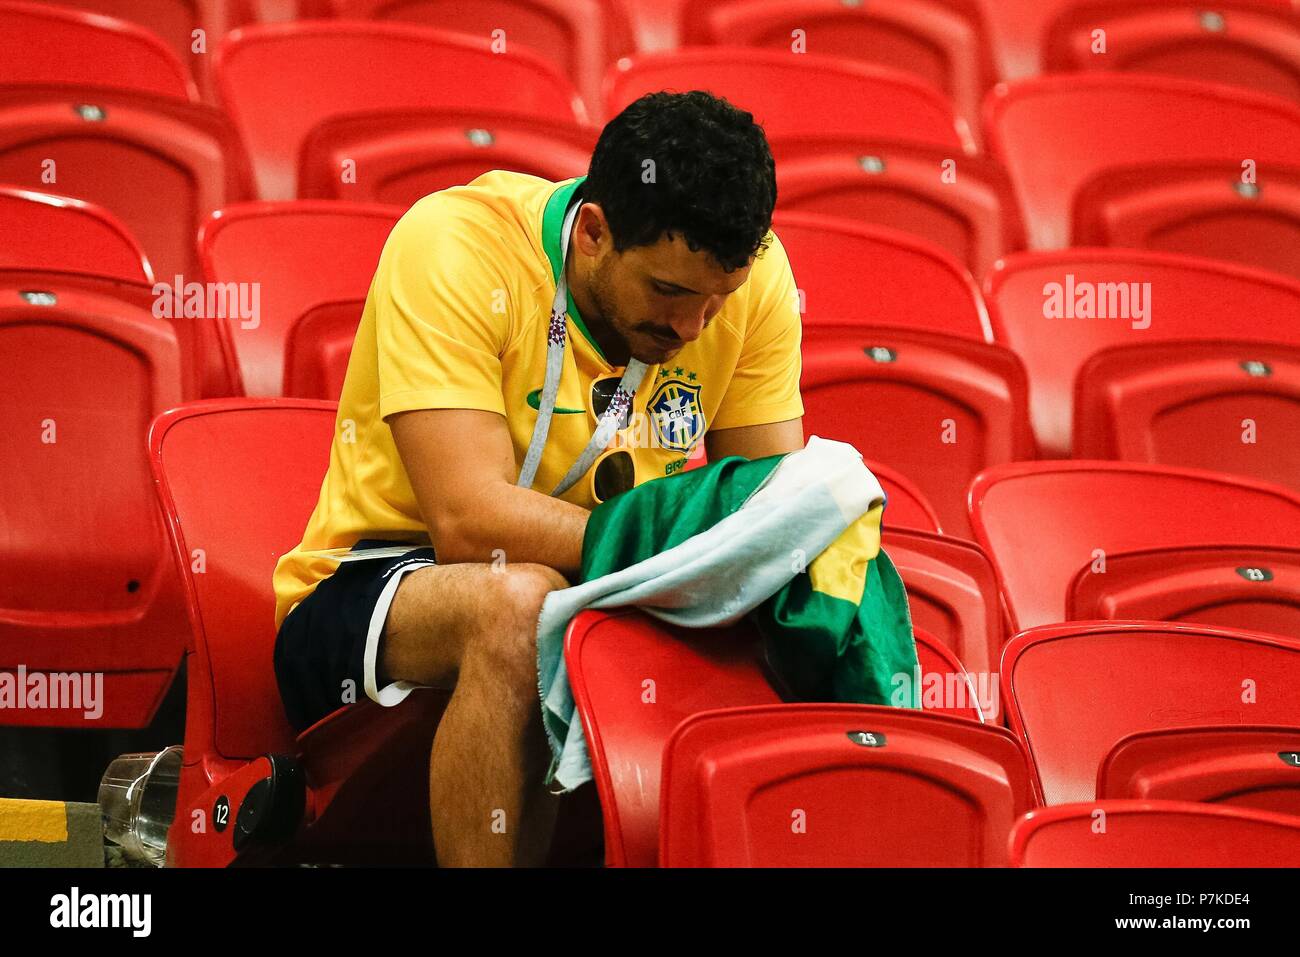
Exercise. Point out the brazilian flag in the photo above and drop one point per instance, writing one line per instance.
(838, 630)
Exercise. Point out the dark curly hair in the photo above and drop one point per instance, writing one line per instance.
(712, 179)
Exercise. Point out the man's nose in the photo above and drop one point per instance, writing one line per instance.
(690, 326)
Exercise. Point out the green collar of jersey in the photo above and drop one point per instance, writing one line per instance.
(552, 225)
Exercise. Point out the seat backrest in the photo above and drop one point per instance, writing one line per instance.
(849, 272)
(174, 21)
(84, 374)
(1226, 405)
(1057, 309)
(1074, 690)
(237, 480)
(839, 786)
(634, 679)
(1154, 834)
(1215, 209)
(905, 504)
(798, 94)
(1019, 30)
(318, 348)
(963, 204)
(1252, 767)
(945, 686)
(399, 156)
(1252, 587)
(1069, 514)
(1250, 43)
(47, 232)
(299, 254)
(939, 41)
(1035, 128)
(159, 165)
(938, 407)
(40, 43)
(580, 37)
(952, 592)
(328, 68)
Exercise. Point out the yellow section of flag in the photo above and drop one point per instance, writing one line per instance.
(841, 570)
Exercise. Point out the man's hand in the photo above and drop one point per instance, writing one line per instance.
(462, 468)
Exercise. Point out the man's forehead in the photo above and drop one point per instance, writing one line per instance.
(672, 260)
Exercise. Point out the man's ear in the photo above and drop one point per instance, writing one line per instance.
(591, 230)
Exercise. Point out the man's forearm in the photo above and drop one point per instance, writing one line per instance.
(512, 524)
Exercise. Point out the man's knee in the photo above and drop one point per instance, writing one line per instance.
(507, 635)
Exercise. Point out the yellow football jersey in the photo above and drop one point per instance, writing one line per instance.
(456, 318)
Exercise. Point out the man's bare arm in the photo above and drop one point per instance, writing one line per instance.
(755, 441)
(462, 467)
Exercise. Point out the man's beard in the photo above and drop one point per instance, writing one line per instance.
(608, 316)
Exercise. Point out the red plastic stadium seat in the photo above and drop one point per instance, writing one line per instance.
(1055, 310)
(43, 44)
(939, 41)
(581, 37)
(1247, 767)
(1204, 209)
(1236, 586)
(159, 164)
(55, 243)
(398, 156)
(839, 786)
(85, 582)
(1217, 405)
(1154, 834)
(1047, 133)
(1019, 30)
(174, 21)
(953, 594)
(905, 505)
(328, 69)
(318, 347)
(48, 232)
(962, 203)
(1249, 43)
(615, 658)
(937, 407)
(281, 246)
(1065, 515)
(1074, 690)
(610, 656)
(945, 687)
(852, 274)
(798, 94)
(215, 462)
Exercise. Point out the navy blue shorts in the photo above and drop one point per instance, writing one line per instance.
(327, 653)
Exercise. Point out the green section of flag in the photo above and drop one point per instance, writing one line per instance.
(821, 647)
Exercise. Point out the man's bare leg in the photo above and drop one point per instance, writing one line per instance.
(476, 626)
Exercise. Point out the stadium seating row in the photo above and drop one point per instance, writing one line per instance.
(960, 47)
(1153, 356)
(1143, 711)
(111, 118)
(1180, 360)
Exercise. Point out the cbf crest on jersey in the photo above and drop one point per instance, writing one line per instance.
(675, 415)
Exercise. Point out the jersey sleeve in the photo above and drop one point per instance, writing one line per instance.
(442, 311)
(765, 385)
